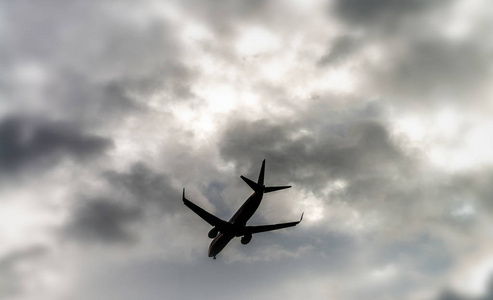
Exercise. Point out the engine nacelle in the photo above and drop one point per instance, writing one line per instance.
(213, 233)
(246, 239)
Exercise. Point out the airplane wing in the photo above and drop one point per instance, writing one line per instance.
(264, 228)
(208, 217)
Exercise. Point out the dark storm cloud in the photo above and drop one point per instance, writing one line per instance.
(90, 102)
(92, 63)
(102, 220)
(341, 49)
(136, 195)
(422, 62)
(375, 12)
(147, 187)
(226, 16)
(29, 141)
(383, 179)
(330, 152)
(430, 68)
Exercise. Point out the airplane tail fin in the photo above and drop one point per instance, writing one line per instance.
(260, 180)
(259, 185)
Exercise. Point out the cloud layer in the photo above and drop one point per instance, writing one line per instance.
(377, 112)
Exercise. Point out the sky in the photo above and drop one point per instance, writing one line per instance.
(379, 113)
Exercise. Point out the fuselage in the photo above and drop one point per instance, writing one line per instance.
(239, 220)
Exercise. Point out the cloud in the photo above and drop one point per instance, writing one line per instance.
(315, 156)
(434, 70)
(453, 295)
(129, 198)
(102, 220)
(11, 274)
(367, 177)
(225, 16)
(194, 93)
(375, 11)
(90, 102)
(341, 49)
(32, 141)
(98, 67)
(404, 56)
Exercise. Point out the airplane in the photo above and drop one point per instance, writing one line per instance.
(223, 232)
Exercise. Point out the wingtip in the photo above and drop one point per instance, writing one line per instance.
(302, 216)
(183, 197)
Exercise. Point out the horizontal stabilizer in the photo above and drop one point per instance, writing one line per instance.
(275, 188)
(259, 185)
(255, 186)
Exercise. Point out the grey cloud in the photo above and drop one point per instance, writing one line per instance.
(173, 77)
(449, 295)
(11, 278)
(341, 49)
(99, 37)
(475, 187)
(343, 151)
(225, 16)
(383, 180)
(328, 251)
(147, 187)
(468, 199)
(134, 196)
(29, 141)
(426, 252)
(376, 12)
(421, 62)
(102, 220)
(166, 279)
(431, 69)
(100, 64)
(445, 202)
(91, 63)
(453, 295)
(92, 103)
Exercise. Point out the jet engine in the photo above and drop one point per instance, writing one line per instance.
(246, 239)
(213, 233)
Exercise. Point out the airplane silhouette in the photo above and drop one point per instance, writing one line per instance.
(223, 232)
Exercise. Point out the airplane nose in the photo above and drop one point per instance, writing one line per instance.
(211, 252)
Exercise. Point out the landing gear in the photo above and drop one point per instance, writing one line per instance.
(214, 257)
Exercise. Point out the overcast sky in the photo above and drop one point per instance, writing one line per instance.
(378, 112)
